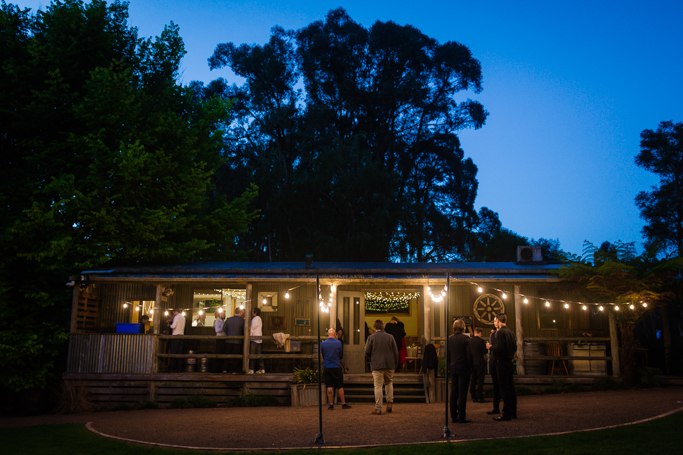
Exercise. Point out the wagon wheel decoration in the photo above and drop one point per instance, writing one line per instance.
(487, 306)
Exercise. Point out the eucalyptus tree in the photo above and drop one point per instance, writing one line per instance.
(351, 134)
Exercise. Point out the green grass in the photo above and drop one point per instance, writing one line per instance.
(659, 436)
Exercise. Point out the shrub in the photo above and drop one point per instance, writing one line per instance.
(147, 405)
(74, 397)
(200, 401)
(180, 403)
(304, 376)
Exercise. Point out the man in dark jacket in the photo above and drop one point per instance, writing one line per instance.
(493, 369)
(234, 326)
(383, 353)
(479, 351)
(460, 366)
(504, 350)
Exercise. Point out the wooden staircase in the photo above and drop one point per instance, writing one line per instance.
(408, 388)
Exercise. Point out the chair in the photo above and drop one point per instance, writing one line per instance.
(554, 349)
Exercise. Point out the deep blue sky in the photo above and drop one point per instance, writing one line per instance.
(569, 87)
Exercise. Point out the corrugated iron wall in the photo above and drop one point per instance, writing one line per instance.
(112, 298)
(110, 353)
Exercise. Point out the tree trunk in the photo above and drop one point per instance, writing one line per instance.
(627, 353)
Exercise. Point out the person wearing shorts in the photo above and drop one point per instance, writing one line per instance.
(332, 353)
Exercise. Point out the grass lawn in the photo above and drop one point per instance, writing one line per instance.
(658, 436)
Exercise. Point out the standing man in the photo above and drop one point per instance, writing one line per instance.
(383, 353)
(255, 346)
(177, 329)
(234, 326)
(331, 350)
(504, 350)
(493, 369)
(460, 364)
(479, 351)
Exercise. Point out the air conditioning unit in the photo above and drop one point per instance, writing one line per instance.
(529, 254)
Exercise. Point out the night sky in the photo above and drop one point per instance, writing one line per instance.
(569, 87)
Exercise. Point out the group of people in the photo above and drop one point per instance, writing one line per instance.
(467, 365)
(382, 350)
(232, 326)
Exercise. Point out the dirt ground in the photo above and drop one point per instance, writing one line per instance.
(287, 427)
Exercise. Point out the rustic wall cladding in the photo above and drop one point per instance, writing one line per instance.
(112, 298)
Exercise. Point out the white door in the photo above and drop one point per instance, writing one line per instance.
(351, 314)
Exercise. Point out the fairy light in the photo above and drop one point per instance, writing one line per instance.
(137, 308)
(201, 312)
(547, 304)
(480, 289)
(584, 307)
(616, 308)
(165, 313)
(633, 307)
(505, 296)
(265, 301)
(287, 294)
(644, 304)
(526, 300)
(183, 314)
(220, 309)
(125, 304)
(566, 305)
(601, 308)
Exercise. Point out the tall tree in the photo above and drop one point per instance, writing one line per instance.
(364, 163)
(106, 161)
(661, 152)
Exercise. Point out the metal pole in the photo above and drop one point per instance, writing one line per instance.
(446, 430)
(319, 437)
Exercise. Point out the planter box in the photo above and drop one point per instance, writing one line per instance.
(588, 367)
(307, 395)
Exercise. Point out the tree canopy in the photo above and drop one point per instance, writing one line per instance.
(661, 152)
(350, 134)
(106, 161)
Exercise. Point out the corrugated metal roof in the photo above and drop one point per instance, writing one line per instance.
(377, 270)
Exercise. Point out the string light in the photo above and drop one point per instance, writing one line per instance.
(201, 312)
(165, 313)
(287, 294)
(547, 304)
(479, 289)
(585, 308)
(125, 305)
(601, 308)
(616, 308)
(389, 301)
(632, 307)
(644, 304)
(566, 305)
(137, 308)
(505, 296)
(526, 300)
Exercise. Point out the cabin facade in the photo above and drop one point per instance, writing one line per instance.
(302, 301)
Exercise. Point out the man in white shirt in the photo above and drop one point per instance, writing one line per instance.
(178, 328)
(256, 345)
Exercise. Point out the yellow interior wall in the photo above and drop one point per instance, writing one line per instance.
(409, 322)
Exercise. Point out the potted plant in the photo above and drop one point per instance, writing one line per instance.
(305, 388)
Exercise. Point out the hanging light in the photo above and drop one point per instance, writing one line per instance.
(505, 296)
(566, 305)
(137, 308)
(547, 304)
(526, 300)
(333, 287)
(287, 294)
(125, 304)
(632, 307)
(220, 309)
(201, 312)
(165, 313)
(480, 289)
(600, 308)
(265, 301)
(616, 308)
(585, 308)
(644, 304)
(183, 314)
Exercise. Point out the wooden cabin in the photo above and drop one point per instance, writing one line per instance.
(301, 301)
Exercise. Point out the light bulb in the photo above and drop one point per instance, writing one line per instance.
(125, 305)
(585, 307)
(201, 312)
(479, 289)
(333, 287)
(265, 301)
(505, 296)
(632, 307)
(616, 308)
(644, 304)
(286, 295)
(600, 308)
(183, 314)
(566, 305)
(137, 308)
(526, 300)
(165, 313)
(547, 304)
(220, 309)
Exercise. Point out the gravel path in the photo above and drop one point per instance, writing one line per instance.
(286, 427)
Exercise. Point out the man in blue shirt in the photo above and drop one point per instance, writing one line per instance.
(332, 353)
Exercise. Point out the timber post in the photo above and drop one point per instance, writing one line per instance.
(158, 315)
(74, 308)
(519, 329)
(247, 329)
(614, 344)
(427, 322)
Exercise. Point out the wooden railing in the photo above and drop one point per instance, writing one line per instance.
(283, 355)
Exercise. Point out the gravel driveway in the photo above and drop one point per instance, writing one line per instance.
(287, 427)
